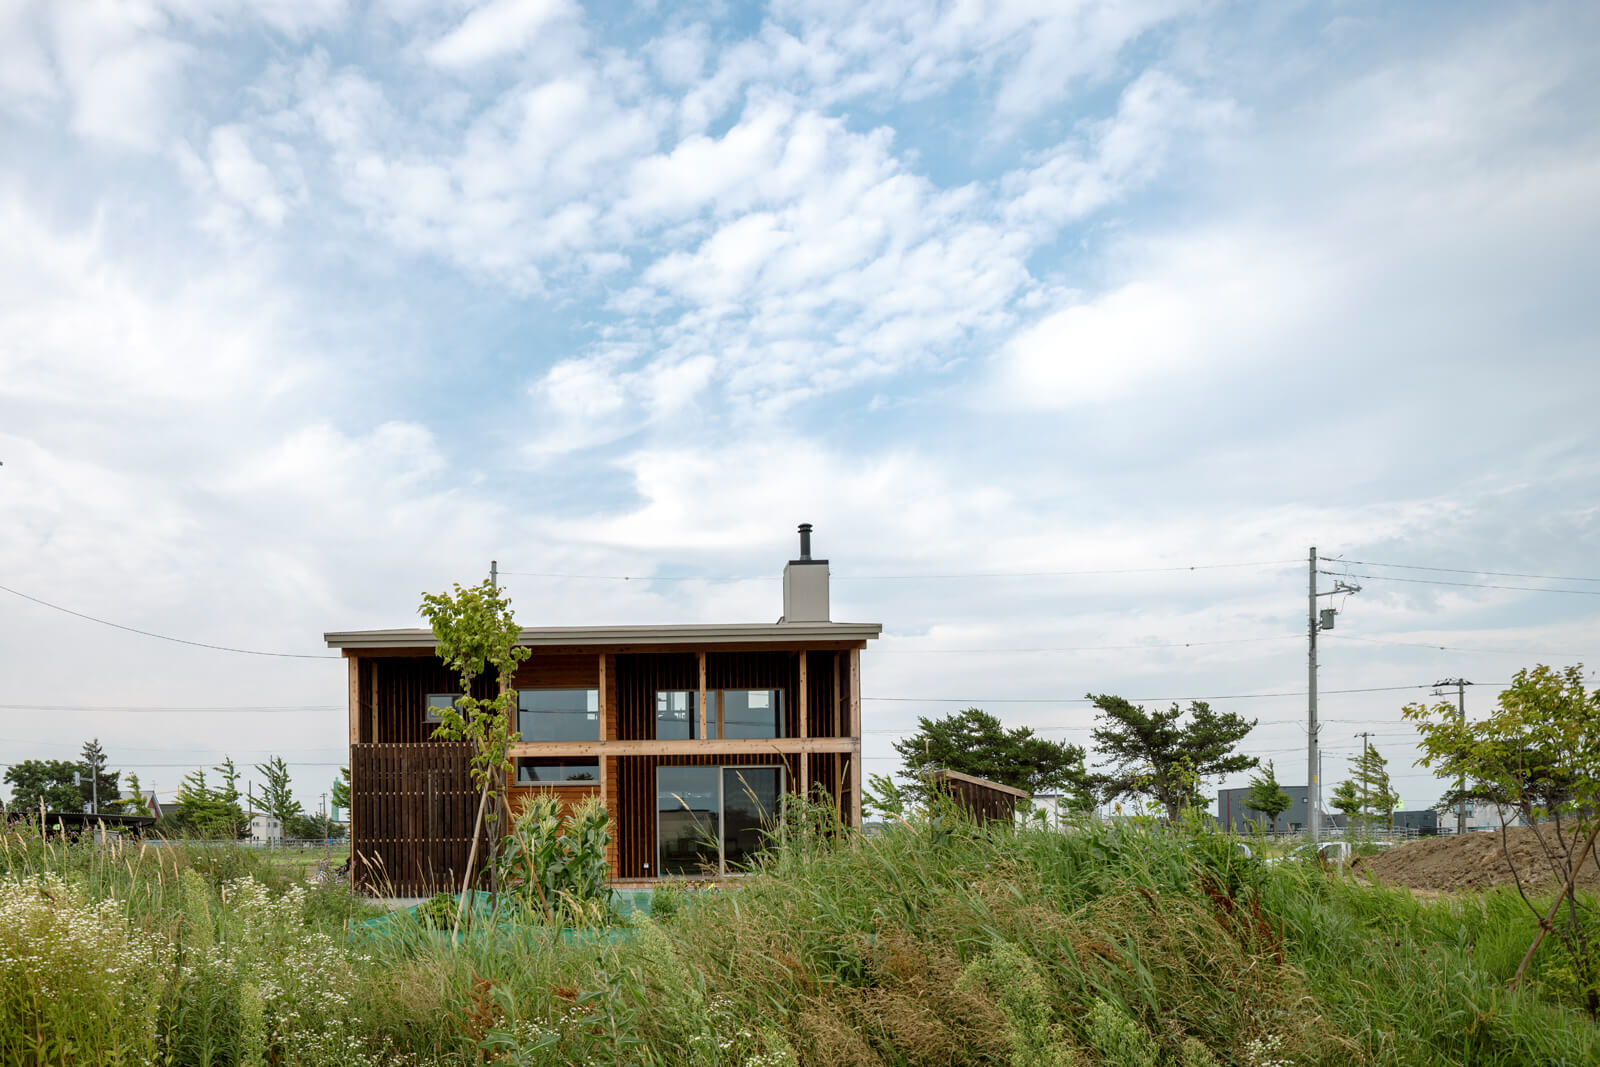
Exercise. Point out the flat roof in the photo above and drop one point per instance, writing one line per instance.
(774, 633)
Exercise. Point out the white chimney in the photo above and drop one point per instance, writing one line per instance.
(805, 584)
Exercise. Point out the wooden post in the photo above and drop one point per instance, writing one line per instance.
(805, 706)
(801, 697)
(702, 658)
(355, 739)
(605, 707)
(855, 733)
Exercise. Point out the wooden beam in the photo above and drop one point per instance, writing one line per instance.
(355, 701)
(742, 746)
(855, 736)
(701, 658)
(605, 708)
(802, 698)
(355, 739)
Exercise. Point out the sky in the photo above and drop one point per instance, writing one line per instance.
(308, 307)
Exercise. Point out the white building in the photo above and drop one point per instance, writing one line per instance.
(265, 830)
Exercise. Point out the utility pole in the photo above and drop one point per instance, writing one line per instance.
(1312, 763)
(1366, 788)
(1461, 715)
(494, 574)
(1313, 624)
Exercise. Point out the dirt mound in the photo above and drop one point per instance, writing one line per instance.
(1473, 861)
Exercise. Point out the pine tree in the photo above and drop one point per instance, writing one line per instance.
(1378, 798)
(133, 802)
(276, 797)
(93, 769)
(1267, 796)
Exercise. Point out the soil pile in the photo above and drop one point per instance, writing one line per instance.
(1474, 861)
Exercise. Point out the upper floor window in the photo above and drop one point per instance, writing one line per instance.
(436, 703)
(677, 714)
(752, 712)
(730, 713)
(558, 714)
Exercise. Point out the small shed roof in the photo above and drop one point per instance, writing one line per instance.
(942, 775)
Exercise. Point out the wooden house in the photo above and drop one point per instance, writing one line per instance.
(690, 736)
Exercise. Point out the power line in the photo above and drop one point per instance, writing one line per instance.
(1464, 585)
(161, 710)
(1461, 648)
(1090, 700)
(164, 637)
(901, 577)
(1076, 648)
(1457, 570)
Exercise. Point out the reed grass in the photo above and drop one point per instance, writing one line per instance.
(936, 942)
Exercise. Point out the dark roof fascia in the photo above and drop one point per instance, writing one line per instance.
(781, 633)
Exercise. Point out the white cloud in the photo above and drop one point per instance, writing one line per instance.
(496, 28)
(243, 178)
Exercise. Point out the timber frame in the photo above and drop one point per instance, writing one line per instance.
(411, 799)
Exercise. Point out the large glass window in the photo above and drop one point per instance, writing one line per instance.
(688, 805)
(436, 703)
(677, 714)
(713, 819)
(752, 713)
(558, 714)
(541, 771)
(749, 805)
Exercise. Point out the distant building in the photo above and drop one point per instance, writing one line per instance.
(1235, 815)
(1424, 821)
(265, 830)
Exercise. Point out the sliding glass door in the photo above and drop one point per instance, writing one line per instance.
(712, 819)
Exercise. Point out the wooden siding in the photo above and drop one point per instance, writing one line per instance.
(412, 813)
(569, 795)
(400, 688)
(639, 678)
(983, 800)
(634, 828)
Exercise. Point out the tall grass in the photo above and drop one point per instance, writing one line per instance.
(936, 942)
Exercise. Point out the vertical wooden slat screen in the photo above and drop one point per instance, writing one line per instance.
(414, 806)
(639, 677)
(402, 685)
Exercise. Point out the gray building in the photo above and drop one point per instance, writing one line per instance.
(1235, 815)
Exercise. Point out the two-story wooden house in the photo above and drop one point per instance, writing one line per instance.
(688, 734)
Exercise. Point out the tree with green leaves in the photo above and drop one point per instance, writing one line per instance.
(1158, 755)
(52, 781)
(339, 794)
(133, 801)
(313, 827)
(276, 797)
(474, 632)
(99, 785)
(1267, 796)
(974, 742)
(1347, 799)
(207, 811)
(1370, 775)
(1538, 753)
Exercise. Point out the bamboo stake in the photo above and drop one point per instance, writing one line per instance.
(1548, 921)
(472, 859)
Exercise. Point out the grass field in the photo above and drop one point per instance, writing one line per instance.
(937, 942)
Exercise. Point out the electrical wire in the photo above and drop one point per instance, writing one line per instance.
(1090, 700)
(903, 577)
(1463, 585)
(1452, 648)
(160, 710)
(164, 637)
(1078, 648)
(1457, 570)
